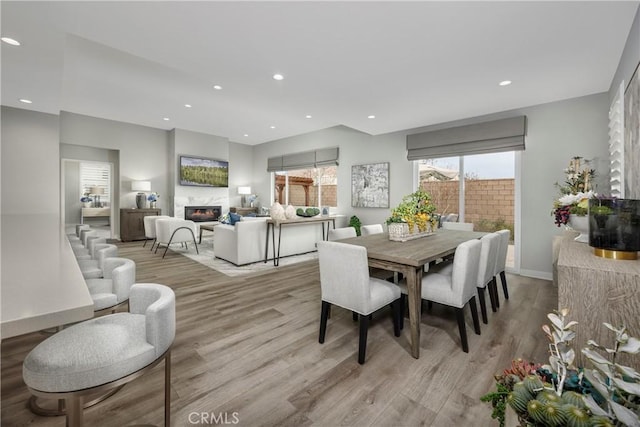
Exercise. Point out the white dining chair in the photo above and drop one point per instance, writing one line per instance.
(345, 282)
(463, 226)
(486, 280)
(501, 261)
(455, 288)
(341, 233)
(366, 230)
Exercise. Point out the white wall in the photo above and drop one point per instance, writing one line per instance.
(30, 162)
(630, 57)
(241, 173)
(197, 144)
(556, 132)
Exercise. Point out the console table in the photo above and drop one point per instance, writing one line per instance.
(94, 213)
(244, 211)
(597, 290)
(272, 223)
(132, 223)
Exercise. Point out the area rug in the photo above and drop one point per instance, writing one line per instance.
(207, 257)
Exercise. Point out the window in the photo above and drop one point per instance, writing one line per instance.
(307, 187)
(95, 178)
(485, 196)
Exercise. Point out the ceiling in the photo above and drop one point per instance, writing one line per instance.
(410, 64)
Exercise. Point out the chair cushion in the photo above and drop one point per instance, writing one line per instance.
(382, 293)
(103, 300)
(89, 354)
(437, 288)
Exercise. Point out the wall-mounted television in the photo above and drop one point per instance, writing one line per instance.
(203, 172)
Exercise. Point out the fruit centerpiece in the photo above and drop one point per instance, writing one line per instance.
(413, 217)
(308, 212)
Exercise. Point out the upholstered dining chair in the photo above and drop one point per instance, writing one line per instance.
(92, 268)
(175, 230)
(486, 280)
(345, 282)
(341, 233)
(149, 222)
(464, 226)
(501, 261)
(101, 355)
(75, 237)
(366, 230)
(89, 252)
(112, 291)
(456, 288)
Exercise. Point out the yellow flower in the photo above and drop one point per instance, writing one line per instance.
(583, 203)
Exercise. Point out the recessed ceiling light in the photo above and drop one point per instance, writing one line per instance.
(308, 116)
(246, 134)
(217, 87)
(187, 105)
(9, 40)
(26, 101)
(273, 127)
(505, 83)
(278, 77)
(371, 117)
(166, 119)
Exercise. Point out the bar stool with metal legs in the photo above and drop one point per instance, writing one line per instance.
(103, 354)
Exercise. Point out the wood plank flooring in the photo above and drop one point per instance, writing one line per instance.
(247, 353)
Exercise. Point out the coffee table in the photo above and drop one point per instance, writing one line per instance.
(208, 227)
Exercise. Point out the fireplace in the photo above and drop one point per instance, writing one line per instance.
(202, 213)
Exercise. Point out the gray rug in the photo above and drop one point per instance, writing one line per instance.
(207, 257)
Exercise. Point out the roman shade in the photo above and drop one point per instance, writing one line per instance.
(304, 160)
(480, 138)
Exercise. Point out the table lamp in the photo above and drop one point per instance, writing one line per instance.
(96, 192)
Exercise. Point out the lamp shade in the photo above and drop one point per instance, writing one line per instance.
(141, 185)
(96, 190)
(244, 190)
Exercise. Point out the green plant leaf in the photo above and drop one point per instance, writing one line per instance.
(611, 327)
(570, 324)
(595, 357)
(555, 319)
(625, 415)
(593, 406)
(594, 379)
(629, 387)
(595, 344)
(632, 346)
(628, 371)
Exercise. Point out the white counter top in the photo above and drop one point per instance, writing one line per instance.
(41, 284)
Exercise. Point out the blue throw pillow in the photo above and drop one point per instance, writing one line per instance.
(233, 218)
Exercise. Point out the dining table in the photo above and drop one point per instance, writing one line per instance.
(409, 258)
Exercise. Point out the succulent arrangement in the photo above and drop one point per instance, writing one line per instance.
(415, 209)
(558, 394)
(575, 192)
(309, 212)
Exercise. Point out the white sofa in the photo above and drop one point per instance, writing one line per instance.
(243, 243)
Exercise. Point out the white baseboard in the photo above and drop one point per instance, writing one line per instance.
(544, 275)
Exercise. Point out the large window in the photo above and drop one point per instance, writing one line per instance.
(307, 187)
(95, 181)
(485, 196)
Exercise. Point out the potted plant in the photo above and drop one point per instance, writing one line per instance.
(354, 222)
(414, 215)
(153, 199)
(559, 394)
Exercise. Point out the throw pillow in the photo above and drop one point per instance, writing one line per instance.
(224, 219)
(277, 211)
(234, 217)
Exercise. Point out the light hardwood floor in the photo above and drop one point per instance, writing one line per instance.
(248, 347)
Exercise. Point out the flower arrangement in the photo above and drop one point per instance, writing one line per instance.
(558, 394)
(86, 199)
(153, 197)
(415, 209)
(575, 192)
(252, 199)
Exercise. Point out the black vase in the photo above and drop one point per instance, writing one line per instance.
(614, 228)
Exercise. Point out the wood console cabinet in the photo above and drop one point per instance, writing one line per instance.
(243, 211)
(132, 223)
(597, 290)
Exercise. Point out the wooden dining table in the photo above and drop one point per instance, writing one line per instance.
(409, 258)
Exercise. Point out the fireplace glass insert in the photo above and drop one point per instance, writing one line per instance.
(202, 213)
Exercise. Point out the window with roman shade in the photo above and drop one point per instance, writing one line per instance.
(304, 160)
(480, 138)
(96, 174)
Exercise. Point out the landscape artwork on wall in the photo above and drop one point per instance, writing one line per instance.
(203, 172)
(632, 137)
(370, 185)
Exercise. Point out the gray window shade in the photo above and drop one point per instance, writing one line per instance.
(488, 137)
(304, 160)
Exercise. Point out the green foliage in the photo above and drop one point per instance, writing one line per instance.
(201, 175)
(498, 400)
(489, 226)
(354, 222)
